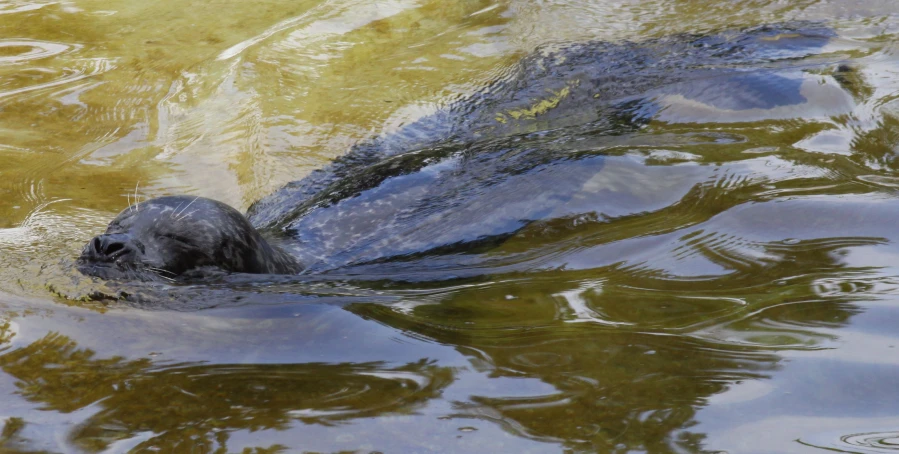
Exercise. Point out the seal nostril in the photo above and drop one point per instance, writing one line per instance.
(113, 247)
(96, 245)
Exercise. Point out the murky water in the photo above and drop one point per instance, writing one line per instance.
(737, 289)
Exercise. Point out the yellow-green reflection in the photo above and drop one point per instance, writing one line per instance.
(131, 100)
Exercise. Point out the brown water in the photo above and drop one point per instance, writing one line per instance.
(756, 311)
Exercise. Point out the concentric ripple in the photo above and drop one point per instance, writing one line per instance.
(14, 51)
(861, 443)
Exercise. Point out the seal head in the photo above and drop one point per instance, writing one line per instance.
(170, 236)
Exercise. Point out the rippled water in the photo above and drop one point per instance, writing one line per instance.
(734, 289)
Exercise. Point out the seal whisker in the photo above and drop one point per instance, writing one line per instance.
(161, 270)
(186, 215)
(161, 273)
(172, 214)
(188, 206)
(136, 198)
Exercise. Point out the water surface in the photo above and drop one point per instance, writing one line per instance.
(736, 293)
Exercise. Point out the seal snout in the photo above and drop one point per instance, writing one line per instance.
(111, 248)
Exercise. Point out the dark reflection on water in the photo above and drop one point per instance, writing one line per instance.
(202, 404)
(627, 368)
(628, 360)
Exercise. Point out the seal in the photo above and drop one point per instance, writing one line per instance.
(170, 236)
(525, 149)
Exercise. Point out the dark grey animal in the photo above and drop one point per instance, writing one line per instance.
(169, 236)
(520, 150)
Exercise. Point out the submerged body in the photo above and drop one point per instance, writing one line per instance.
(525, 149)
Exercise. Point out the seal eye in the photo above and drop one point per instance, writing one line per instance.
(178, 238)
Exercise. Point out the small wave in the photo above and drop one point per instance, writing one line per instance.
(30, 50)
(63, 77)
(20, 7)
(861, 443)
(880, 180)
